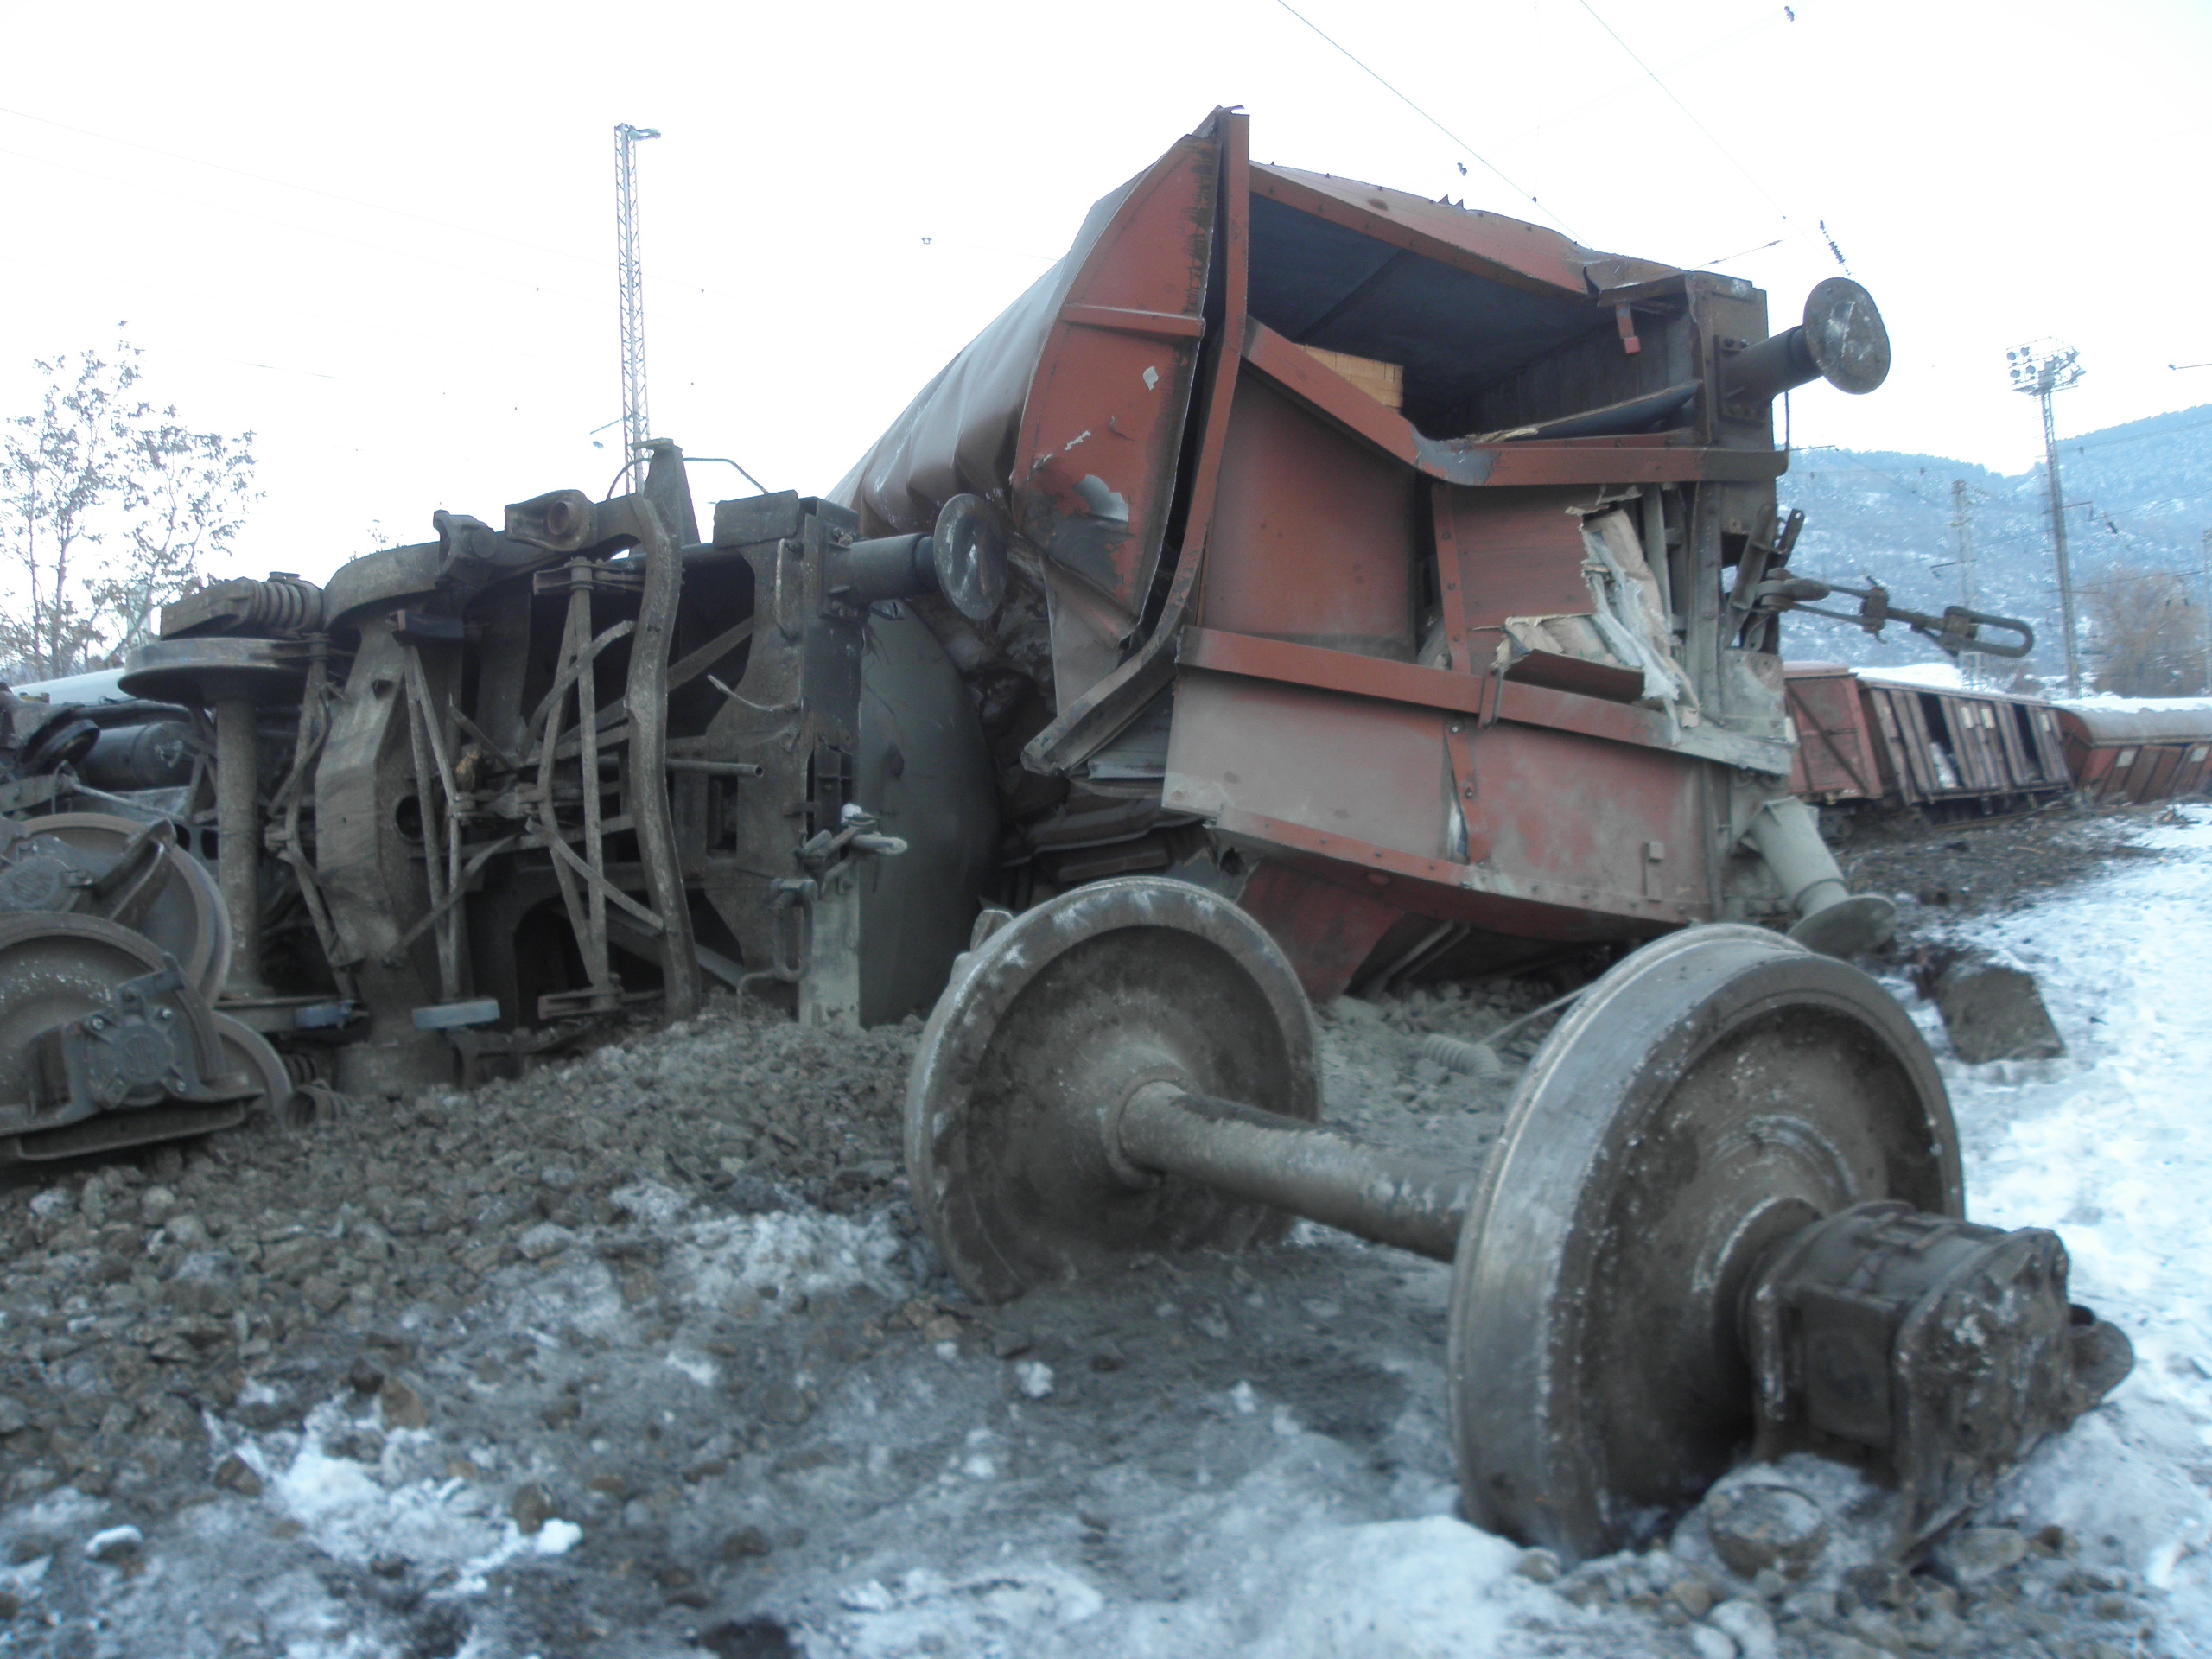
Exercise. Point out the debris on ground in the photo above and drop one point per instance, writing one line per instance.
(643, 1356)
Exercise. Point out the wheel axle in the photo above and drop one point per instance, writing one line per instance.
(1727, 1207)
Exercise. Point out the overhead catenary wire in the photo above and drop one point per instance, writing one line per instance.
(1529, 196)
(1711, 137)
(681, 283)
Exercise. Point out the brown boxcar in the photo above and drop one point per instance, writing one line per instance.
(2152, 750)
(1864, 737)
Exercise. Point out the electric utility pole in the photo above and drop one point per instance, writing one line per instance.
(2206, 546)
(630, 278)
(1970, 662)
(2038, 369)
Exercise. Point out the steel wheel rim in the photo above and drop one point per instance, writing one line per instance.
(57, 968)
(188, 919)
(1710, 1095)
(1043, 1028)
(247, 1052)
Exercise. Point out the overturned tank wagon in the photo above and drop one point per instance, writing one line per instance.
(1303, 586)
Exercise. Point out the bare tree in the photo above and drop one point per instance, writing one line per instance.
(59, 468)
(110, 506)
(187, 496)
(2148, 634)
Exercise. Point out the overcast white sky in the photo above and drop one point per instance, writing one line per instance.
(381, 237)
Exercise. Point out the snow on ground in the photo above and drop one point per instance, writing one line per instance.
(1944, 675)
(696, 1415)
(2111, 1146)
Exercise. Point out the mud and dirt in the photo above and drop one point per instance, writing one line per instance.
(643, 1355)
(1937, 869)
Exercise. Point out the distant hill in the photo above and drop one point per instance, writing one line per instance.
(2139, 498)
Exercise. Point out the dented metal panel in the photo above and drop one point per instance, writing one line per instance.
(1068, 412)
(1835, 753)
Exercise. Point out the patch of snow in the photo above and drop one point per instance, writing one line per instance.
(110, 1540)
(1034, 1378)
(357, 1512)
(2109, 1148)
(1942, 675)
(697, 1367)
(784, 1251)
(649, 1202)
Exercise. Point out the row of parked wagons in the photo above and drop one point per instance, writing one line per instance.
(1868, 738)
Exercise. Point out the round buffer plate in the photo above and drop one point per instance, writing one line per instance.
(1712, 1094)
(1846, 335)
(969, 546)
(1043, 1032)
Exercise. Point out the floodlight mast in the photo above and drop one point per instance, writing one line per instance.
(2038, 369)
(631, 282)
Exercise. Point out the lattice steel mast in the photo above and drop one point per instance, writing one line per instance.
(630, 277)
(2038, 369)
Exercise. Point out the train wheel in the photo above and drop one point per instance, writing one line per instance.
(1712, 1094)
(175, 903)
(60, 968)
(247, 1052)
(1048, 1026)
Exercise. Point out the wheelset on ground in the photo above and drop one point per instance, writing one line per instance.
(1726, 1214)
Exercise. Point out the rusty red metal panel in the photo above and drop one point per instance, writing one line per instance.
(1562, 811)
(1069, 409)
(1524, 255)
(1835, 755)
(1089, 715)
(2137, 785)
(2166, 762)
(1429, 688)
(1655, 460)
(1325, 928)
(1428, 887)
(1101, 429)
(1521, 552)
(1313, 534)
(2084, 762)
(1373, 771)
(1568, 820)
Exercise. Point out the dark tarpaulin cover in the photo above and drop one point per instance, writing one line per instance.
(960, 432)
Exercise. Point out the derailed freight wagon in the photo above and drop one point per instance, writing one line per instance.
(1864, 737)
(2151, 749)
(1303, 580)
(1422, 557)
(1398, 588)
